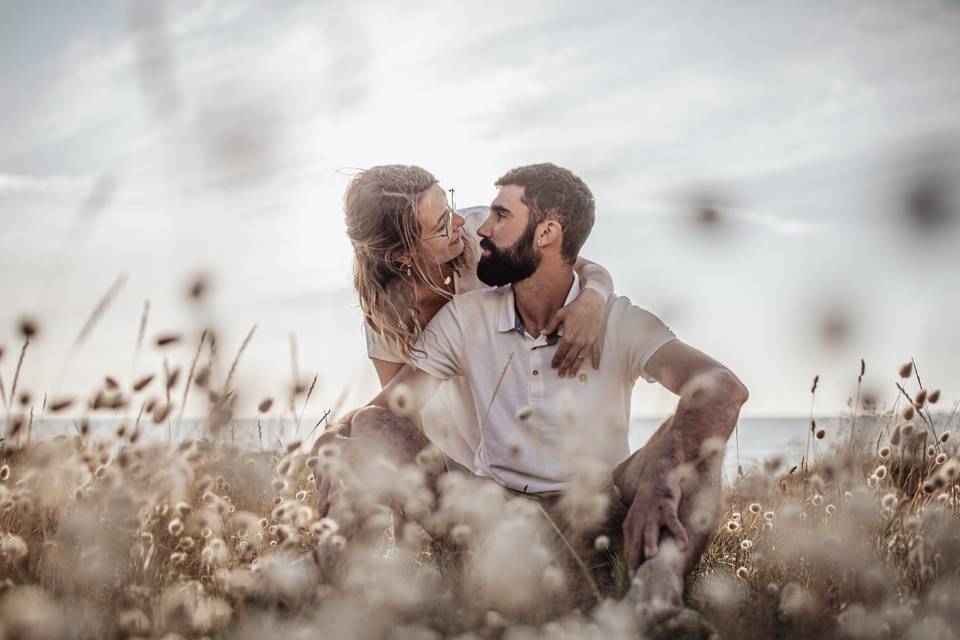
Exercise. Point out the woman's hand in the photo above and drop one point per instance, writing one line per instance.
(584, 325)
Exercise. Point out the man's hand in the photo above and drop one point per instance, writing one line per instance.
(584, 325)
(654, 506)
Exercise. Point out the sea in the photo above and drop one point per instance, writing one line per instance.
(754, 440)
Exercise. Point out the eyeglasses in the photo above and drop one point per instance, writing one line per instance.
(448, 219)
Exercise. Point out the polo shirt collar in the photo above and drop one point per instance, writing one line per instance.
(509, 319)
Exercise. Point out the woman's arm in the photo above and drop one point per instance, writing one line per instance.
(593, 276)
(584, 320)
(386, 371)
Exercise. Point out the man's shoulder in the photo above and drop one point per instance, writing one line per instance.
(627, 316)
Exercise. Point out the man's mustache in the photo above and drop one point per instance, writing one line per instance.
(486, 244)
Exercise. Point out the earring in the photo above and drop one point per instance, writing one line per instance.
(539, 243)
(409, 271)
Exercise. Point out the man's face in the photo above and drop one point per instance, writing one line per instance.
(506, 240)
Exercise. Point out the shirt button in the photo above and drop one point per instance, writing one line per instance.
(536, 372)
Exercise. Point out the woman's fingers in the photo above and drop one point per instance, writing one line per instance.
(572, 360)
(554, 325)
(595, 353)
(562, 348)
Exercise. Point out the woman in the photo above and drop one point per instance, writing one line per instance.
(412, 253)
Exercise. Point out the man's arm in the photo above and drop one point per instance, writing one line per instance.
(710, 400)
(710, 394)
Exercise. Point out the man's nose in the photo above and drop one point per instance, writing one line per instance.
(484, 230)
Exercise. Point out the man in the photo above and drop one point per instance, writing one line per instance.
(548, 435)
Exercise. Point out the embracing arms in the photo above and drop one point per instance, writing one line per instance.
(584, 320)
(584, 324)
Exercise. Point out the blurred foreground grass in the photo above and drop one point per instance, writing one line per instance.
(120, 536)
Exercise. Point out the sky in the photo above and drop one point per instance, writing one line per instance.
(148, 144)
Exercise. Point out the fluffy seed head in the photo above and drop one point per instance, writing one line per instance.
(895, 436)
(746, 545)
(13, 548)
(880, 472)
(889, 501)
(934, 396)
(755, 508)
(884, 453)
(908, 414)
(401, 401)
(460, 534)
(906, 370)
(743, 573)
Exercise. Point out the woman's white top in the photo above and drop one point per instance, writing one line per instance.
(447, 420)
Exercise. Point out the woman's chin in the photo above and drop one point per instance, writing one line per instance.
(456, 248)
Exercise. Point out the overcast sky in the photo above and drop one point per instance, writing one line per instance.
(155, 141)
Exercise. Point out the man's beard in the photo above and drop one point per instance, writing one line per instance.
(504, 266)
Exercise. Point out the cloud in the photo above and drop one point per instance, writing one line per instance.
(20, 184)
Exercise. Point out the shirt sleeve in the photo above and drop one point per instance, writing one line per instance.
(439, 351)
(645, 333)
(376, 348)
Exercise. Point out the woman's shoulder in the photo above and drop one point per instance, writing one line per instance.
(377, 348)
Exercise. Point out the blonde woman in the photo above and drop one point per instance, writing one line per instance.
(412, 252)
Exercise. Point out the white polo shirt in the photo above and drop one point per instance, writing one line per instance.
(536, 430)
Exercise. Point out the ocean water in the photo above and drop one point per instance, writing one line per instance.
(755, 439)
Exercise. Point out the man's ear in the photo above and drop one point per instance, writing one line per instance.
(549, 232)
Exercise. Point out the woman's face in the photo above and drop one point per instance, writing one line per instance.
(440, 227)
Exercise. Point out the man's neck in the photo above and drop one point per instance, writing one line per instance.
(541, 295)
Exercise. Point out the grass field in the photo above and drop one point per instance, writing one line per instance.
(125, 536)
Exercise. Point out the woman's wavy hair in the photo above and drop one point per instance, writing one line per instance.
(381, 208)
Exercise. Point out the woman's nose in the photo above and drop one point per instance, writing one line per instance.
(458, 220)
